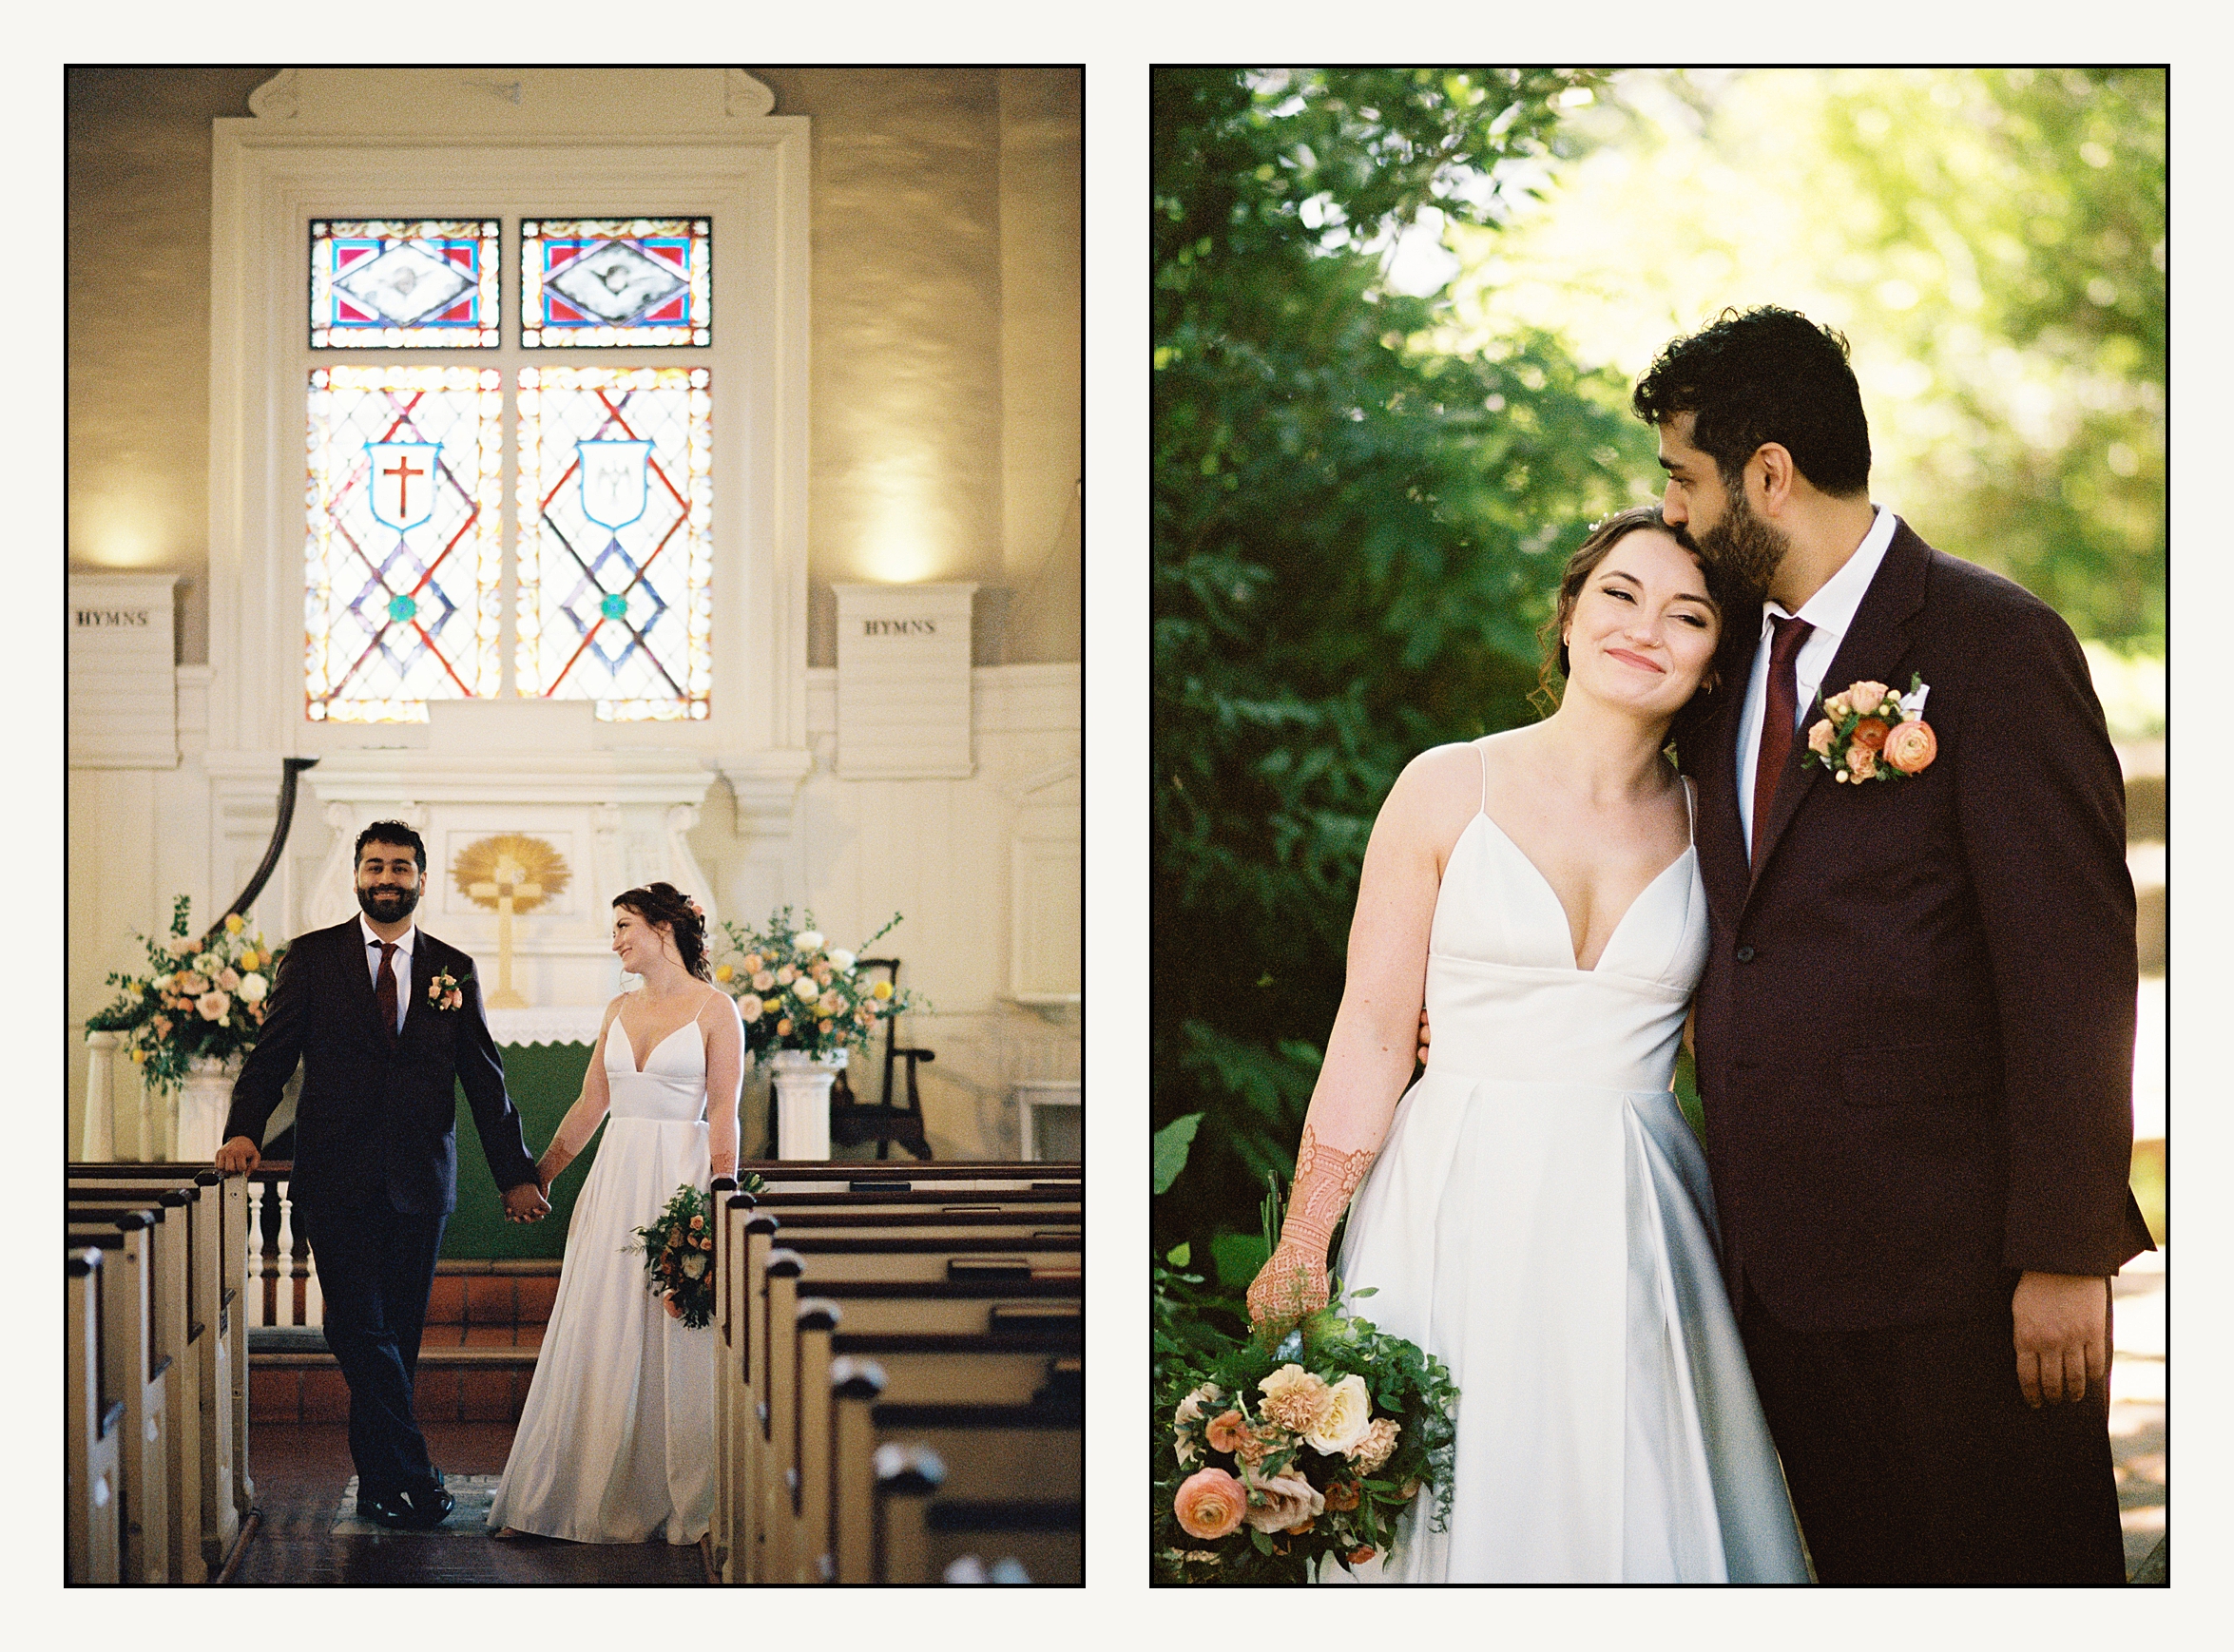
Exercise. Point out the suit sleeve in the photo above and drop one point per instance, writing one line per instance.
(480, 1070)
(279, 1045)
(2041, 803)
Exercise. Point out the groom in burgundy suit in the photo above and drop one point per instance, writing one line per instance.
(1915, 1032)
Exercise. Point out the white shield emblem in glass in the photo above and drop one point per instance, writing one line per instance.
(403, 284)
(616, 542)
(404, 557)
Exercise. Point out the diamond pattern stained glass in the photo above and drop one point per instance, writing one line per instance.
(599, 282)
(403, 284)
(616, 548)
(406, 550)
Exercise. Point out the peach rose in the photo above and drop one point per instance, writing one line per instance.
(192, 984)
(1869, 733)
(229, 978)
(1226, 1432)
(1910, 746)
(1862, 762)
(213, 1005)
(1282, 1503)
(1209, 1504)
(1865, 697)
(1819, 738)
(1375, 1446)
(1836, 706)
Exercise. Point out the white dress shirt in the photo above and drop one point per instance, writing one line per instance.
(1831, 612)
(403, 945)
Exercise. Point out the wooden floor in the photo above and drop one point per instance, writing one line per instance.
(300, 1469)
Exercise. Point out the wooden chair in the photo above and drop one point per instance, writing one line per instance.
(854, 1121)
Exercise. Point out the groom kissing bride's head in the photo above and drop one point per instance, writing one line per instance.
(391, 868)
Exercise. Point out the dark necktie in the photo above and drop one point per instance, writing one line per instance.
(1782, 712)
(384, 987)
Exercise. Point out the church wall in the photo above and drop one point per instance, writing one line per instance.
(945, 442)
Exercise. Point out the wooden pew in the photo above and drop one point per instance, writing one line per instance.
(139, 1374)
(92, 1427)
(906, 1478)
(846, 1176)
(182, 1338)
(236, 1215)
(217, 1210)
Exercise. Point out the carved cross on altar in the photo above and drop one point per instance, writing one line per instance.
(509, 887)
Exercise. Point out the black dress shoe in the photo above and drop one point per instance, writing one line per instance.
(431, 1506)
(387, 1509)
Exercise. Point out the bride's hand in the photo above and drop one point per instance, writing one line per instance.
(1291, 1286)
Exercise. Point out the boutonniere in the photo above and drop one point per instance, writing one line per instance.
(443, 992)
(1869, 732)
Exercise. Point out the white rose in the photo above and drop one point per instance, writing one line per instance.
(749, 1007)
(163, 983)
(208, 964)
(1344, 1417)
(213, 1005)
(842, 958)
(253, 987)
(179, 945)
(694, 1265)
(805, 989)
(808, 940)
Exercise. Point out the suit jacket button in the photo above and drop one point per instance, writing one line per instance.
(1745, 955)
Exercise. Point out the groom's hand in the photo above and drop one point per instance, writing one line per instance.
(237, 1154)
(525, 1202)
(2062, 1335)
(1423, 1037)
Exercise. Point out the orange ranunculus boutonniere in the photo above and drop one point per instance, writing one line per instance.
(1869, 732)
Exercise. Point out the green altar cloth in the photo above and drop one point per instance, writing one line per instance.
(544, 1080)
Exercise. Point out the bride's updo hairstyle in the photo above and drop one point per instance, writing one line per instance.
(1731, 653)
(663, 903)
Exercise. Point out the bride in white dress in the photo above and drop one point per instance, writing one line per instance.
(616, 1439)
(1534, 1211)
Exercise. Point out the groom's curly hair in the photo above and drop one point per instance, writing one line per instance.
(663, 903)
(1764, 374)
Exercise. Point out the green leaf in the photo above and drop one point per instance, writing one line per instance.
(1238, 1256)
(1179, 1254)
(1169, 1153)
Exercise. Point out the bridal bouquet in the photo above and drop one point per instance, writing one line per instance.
(678, 1256)
(200, 997)
(1270, 1458)
(795, 991)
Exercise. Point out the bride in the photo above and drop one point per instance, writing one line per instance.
(1534, 1211)
(616, 1440)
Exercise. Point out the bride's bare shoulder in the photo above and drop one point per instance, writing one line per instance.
(1437, 793)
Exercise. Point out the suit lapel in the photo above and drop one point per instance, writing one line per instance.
(357, 963)
(1721, 846)
(422, 976)
(1872, 647)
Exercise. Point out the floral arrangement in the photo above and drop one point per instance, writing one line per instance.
(443, 993)
(197, 998)
(1271, 1458)
(678, 1256)
(795, 991)
(1869, 732)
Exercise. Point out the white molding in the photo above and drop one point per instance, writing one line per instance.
(361, 141)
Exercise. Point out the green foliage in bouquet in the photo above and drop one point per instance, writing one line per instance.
(1271, 1453)
(795, 991)
(202, 997)
(678, 1256)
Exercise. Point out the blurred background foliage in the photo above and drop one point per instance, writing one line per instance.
(1396, 316)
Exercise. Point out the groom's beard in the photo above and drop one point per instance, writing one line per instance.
(387, 905)
(1741, 548)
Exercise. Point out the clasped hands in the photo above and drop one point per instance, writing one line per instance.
(526, 1203)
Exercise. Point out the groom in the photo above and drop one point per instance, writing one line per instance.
(1915, 1032)
(387, 1021)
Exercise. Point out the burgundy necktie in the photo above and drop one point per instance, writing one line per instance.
(1782, 712)
(384, 985)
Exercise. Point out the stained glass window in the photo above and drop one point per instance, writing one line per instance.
(403, 284)
(607, 282)
(616, 551)
(406, 539)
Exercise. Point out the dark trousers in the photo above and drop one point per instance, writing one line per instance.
(1912, 1457)
(375, 1266)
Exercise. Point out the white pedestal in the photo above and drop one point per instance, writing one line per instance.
(803, 1102)
(96, 1140)
(204, 1100)
(1032, 1093)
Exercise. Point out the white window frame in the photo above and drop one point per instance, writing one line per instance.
(325, 146)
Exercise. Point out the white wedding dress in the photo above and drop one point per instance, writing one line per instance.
(1539, 1218)
(616, 1440)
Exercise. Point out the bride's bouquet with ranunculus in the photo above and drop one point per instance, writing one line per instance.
(678, 1256)
(199, 997)
(1271, 1458)
(794, 991)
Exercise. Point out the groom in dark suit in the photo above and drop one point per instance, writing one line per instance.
(387, 1022)
(1915, 1032)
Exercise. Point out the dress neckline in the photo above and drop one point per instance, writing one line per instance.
(621, 1023)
